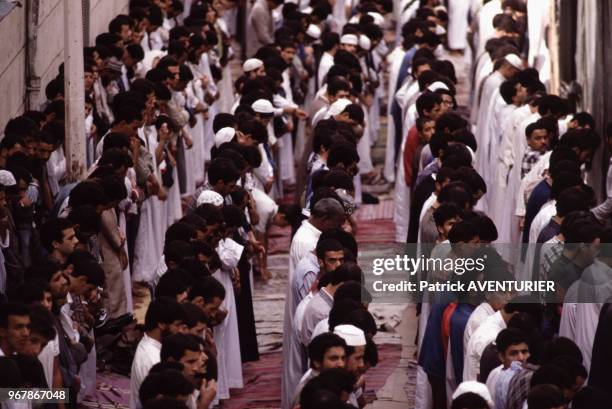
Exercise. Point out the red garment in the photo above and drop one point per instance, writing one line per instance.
(410, 148)
(446, 317)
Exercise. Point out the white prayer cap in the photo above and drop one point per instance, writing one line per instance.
(7, 178)
(210, 197)
(338, 106)
(313, 31)
(350, 39)
(437, 85)
(478, 388)
(307, 10)
(364, 42)
(353, 336)
(515, 61)
(229, 253)
(224, 135)
(263, 106)
(379, 20)
(252, 64)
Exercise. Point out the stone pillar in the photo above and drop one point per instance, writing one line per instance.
(74, 90)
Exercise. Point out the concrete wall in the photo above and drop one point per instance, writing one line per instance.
(50, 47)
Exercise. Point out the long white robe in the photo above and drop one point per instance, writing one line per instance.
(226, 335)
(304, 242)
(458, 11)
(395, 59)
(485, 23)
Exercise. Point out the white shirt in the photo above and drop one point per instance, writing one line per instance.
(298, 316)
(46, 358)
(327, 61)
(548, 210)
(304, 241)
(492, 380)
(321, 328)
(147, 354)
(483, 336)
(480, 314)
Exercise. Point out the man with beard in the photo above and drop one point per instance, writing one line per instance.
(163, 318)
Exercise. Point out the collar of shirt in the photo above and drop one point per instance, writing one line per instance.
(307, 225)
(327, 297)
(151, 342)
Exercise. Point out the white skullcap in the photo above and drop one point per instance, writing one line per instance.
(338, 106)
(437, 85)
(515, 61)
(350, 39)
(440, 30)
(313, 31)
(353, 336)
(252, 64)
(478, 388)
(379, 20)
(224, 135)
(364, 42)
(263, 106)
(210, 197)
(7, 178)
(307, 10)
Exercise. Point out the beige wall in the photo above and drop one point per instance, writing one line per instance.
(50, 46)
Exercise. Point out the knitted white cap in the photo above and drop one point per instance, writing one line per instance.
(7, 178)
(313, 31)
(350, 39)
(338, 106)
(211, 197)
(364, 42)
(224, 135)
(379, 20)
(437, 85)
(353, 336)
(515, 61)
(252, 64)
(263, 106)
(478, 388)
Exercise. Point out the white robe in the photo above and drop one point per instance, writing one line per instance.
(229, 360)
(395, 60)
(458, 11)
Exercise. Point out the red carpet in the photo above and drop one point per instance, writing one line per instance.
(263, 379)
(262, 382)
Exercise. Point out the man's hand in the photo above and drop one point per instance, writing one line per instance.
(301, 114)
(208, 391)
(521, 223)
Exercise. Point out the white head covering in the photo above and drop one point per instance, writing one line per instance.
(379, 20)
(211, 197)
(478, 388)
(350, 39)
(440, 30)
(338, 106)
(224, 135)
(437, 85)
(252, 64)
(313, 31)
(229, 253)
(515, 61)
(263, 106)
(364, 42)
(307, 10)
(7, 178)
(353, 336)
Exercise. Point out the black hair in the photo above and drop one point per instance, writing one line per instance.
(462, 232)
(344, 153)
(508, 337)
(163, 310)
(175, 346)
(175, 281)
(168, 383)
(53, 230)
(176, 251)
(180, 231)
(208, 288)
(10, 309)
(91, 270)
(224, 170)
(209, 212)
(41, 323)
(346, 272)
(445, 212)
(321, 343)
(469, 400)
